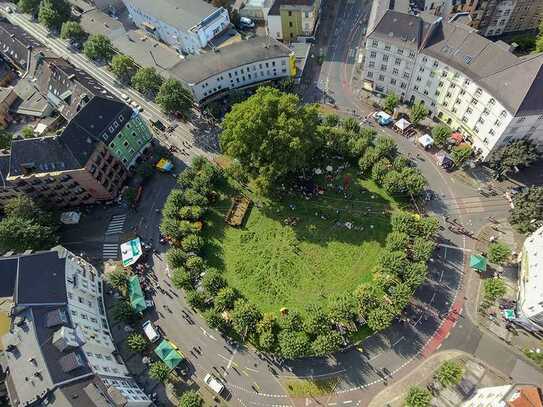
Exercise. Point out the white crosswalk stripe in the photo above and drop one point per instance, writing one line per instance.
(116, 224)
(110, 250)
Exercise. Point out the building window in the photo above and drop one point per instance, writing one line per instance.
(397, 61)
(521, 119)
(370, 74)
(381, 77)
(385, 58)
(400, 51)
(406, 75)
(491, 132)
(474, 101)
(411, 54)
(383, 67)
(387, 47)
(373, 54)
(393, 81)
(492, 101)
(403, 85)
(375, 44)
(394, 71)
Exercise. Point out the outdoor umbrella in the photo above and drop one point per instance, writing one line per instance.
(137, 300)
(477, 262)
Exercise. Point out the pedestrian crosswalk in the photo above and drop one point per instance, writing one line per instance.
(116, 224)
(110, 250)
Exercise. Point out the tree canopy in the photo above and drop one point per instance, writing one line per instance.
(71, 30)
(391, 101)
(159, 371)
(52, 13)
(271, 134)
(450, 373)
(190, 398)
(98, 47)
(528, 209)
(418, 112)
(5, 139)
(29, 6)
(418, 397)
(173, 97)
(518, 154)
(147, 81)
(123, 67)
(441, 134)
(27, 226)
(498, 253)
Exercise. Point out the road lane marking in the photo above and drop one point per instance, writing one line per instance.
(398, 341)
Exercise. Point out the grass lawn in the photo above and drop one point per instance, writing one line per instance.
(277, 265)
(310, 388)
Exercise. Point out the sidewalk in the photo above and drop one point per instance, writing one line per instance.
(475, 372)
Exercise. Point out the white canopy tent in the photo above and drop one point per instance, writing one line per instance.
(426, 141)
(402, 124)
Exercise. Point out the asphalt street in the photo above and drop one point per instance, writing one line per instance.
(253, 379)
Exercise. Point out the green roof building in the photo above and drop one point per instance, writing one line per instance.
(131, 141)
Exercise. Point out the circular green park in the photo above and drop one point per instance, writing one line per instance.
(303, 239)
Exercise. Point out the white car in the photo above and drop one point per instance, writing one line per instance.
(150, 331)
(214, 384)
(125, 97)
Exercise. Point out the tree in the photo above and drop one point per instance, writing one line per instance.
(404, 222)
(368, 297)
(342, 309)
(215, 320)
(192, 243)
(195, 299)
(213, 282)
(159, 371)
(195, 265)
(27, 226)
(190, 398)
(380, 318)
(5, 139)
(441, 134)
(391, 102)
(326, 343)
(52, 13)
(176, 257)
(27, 132)
(417, 397)
(350, 124)
(498, 253)
(413, 181)
(136, 342)
(518, 154)
(369, 157)
(245, 317)
(460, 154)
(380, 169)
(331, 120)
(528, 209)
(393, 262)
(397, 241)
(393, 182)
(293, 344)
(494, 288)
(173, 97)
(267, 332)
(418, 112)
(123, 67)
(316, 320)
(422, 249)
(118, 278)
(386, 147)
(71, 30)
(98, 48)
(450, 373)
(122, 311)
(225, 299)
(29, 6)
(147, 81)
(182, 279)
(271, 134)
(414, 274)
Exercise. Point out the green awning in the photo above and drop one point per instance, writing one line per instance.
(477, 262)
(168, 354)
(137, 300)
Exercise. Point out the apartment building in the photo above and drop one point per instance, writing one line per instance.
(90, 158)
(509, 395)
(497, 17)
(188, 25)
(474, 85)
(242, 64)
(290, 19)
(59, 350)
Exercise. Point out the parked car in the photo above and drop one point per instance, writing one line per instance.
(245, 22)
(150, 331)
(214, 384)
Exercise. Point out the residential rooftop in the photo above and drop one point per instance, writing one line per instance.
(276, 8)
(201, 67)
(514, 81)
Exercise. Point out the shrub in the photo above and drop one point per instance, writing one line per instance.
(450, 373)
(136, 342)
(417, 397)
(498, 253)
(494, 288)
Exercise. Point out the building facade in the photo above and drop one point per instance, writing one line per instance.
(240, 65)
(530, 283)
(288, 20)
(497, 17)
(59, 349)
(187, 26)
(509, 395)
(474, 85)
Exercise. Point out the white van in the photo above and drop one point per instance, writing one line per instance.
(214, 383)
(150, 331)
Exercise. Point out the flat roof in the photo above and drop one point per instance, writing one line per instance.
(200, 67)
(183, 14)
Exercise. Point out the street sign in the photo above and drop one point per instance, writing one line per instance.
(131, 251)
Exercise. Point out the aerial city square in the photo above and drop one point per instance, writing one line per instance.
(271, 203)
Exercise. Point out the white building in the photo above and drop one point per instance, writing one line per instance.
(59, 349)
(519, 395)
(530, 294)
(187, 25)
(476, 86)
(242, 64)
